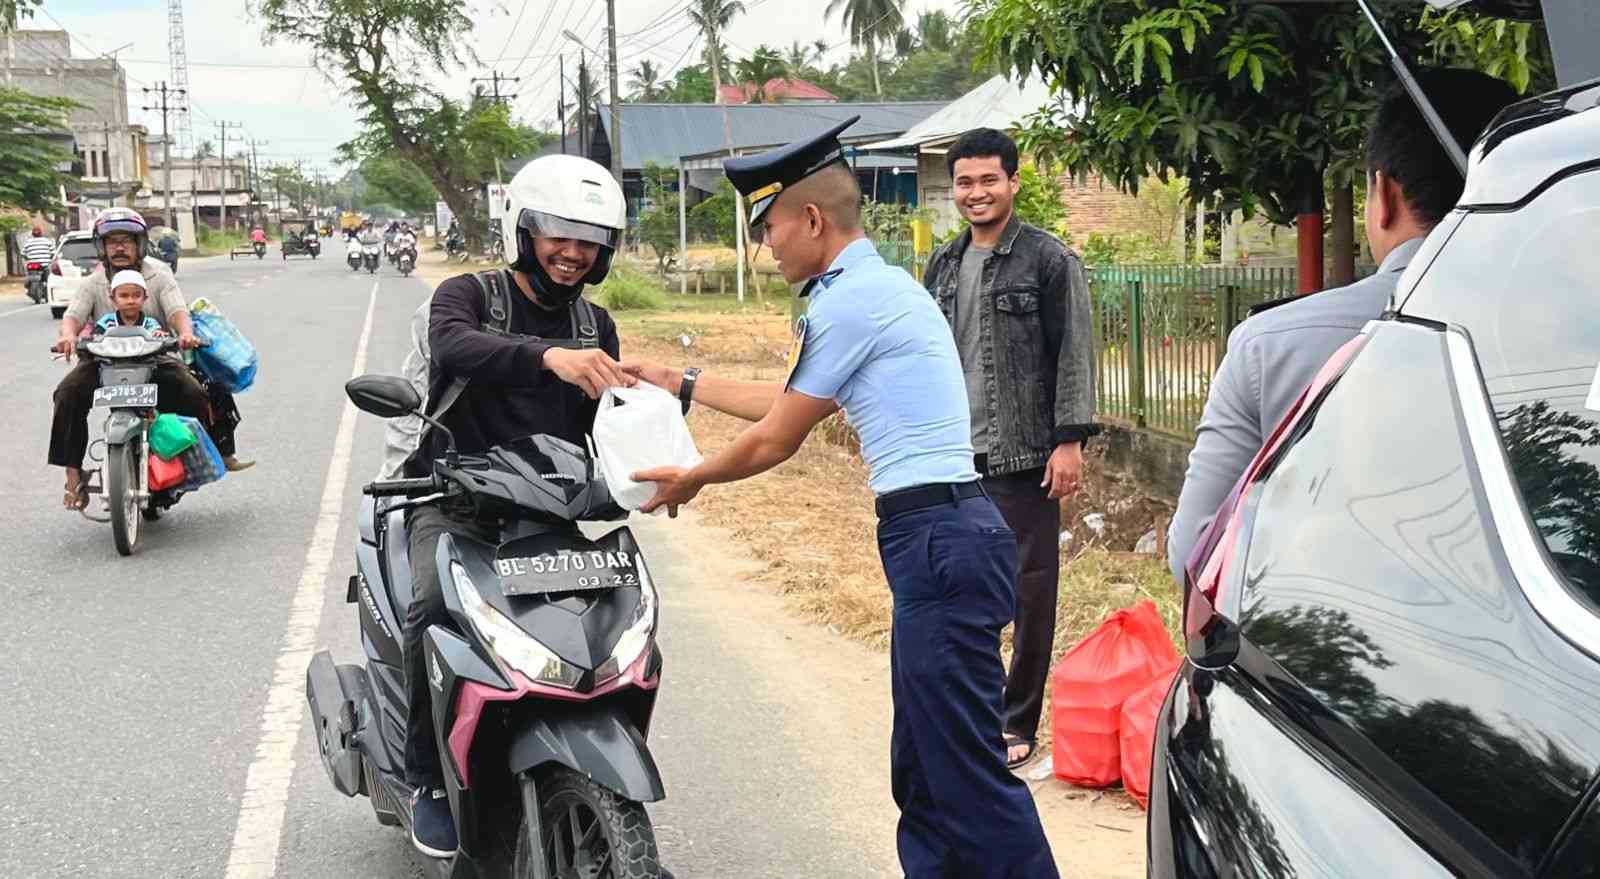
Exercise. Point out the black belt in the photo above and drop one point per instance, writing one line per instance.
(923, 496)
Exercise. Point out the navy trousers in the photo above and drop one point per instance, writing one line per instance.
(963, 815)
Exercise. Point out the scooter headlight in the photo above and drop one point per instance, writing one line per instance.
(636, 640)
(507, 641)
(124, 346)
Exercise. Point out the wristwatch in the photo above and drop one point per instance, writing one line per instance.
(686, 387)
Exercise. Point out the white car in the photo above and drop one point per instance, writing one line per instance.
(75, 258)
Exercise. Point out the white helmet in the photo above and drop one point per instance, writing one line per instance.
(563, 197)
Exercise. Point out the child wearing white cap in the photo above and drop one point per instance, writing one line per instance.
(128, 295)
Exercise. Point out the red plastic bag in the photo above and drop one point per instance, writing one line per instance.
(1089, 685)
(165, 474)
(1138, 734)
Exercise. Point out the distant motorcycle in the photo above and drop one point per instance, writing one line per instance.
(38, 281)
(370, 254)
(313, 245)
(455, 247)
(261, 250)
(352, 254)
(405, 255)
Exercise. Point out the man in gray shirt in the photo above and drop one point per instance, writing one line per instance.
(1274, 355)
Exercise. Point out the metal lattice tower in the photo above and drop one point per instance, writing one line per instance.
(178, 59)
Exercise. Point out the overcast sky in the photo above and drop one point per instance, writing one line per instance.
(278, 99)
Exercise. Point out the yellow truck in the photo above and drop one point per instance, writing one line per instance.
(349, 221)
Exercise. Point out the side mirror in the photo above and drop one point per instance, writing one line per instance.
(386, 396)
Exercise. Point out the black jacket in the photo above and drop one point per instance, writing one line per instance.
(1038, 344)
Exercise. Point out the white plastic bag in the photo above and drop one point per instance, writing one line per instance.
(637, 429)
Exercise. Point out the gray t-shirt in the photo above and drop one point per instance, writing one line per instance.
(969, 341)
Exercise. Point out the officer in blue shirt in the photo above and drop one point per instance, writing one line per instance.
(875, 343)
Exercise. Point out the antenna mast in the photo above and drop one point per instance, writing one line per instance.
(178, 59)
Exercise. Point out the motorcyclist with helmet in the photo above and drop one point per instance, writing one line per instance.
(567, 218)
(121, 238)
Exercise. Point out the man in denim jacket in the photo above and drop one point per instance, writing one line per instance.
(1018, 304)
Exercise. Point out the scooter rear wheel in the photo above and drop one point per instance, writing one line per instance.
(589, 832)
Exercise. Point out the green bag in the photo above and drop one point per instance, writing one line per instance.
(169, 436)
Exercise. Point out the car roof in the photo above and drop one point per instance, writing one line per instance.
(78, 234)
(1532, 144)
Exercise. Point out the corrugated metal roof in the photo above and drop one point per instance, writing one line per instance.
(997, 103)
(662, 133)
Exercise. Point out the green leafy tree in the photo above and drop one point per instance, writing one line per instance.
(712, 220)
(28, 157)
(646, 82)
(712, 18)
(393, 180)
(12, 12)
(1253, 103)
(691, 85)
(763, 66)
(206, 149)
(1040, 201)
(937, 31)
(870, 24)
(387, 55)
(658, 225)
(801, 61)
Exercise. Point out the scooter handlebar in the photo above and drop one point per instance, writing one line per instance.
(401, 487)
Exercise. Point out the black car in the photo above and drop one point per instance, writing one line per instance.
(1393, 660)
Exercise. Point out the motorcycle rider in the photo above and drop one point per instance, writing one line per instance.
(169, 251)
(569, 215)
(258, 235)
(121, 238)
(39, 249)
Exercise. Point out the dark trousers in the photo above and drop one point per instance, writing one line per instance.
(951, 569)
(178, 392)
(424, 526)
(1036, 519)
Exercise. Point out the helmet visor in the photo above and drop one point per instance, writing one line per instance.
(541, 224)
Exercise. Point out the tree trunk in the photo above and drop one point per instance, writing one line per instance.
(872, 58)
(1343, 237)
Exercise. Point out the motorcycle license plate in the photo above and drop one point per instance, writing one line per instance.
(141, 396)
(582, 569)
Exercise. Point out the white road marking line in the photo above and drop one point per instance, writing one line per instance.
(20, 310)
(266, 787)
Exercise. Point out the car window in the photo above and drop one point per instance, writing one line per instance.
(1529, 304)
(1372, 578)
(79, 251)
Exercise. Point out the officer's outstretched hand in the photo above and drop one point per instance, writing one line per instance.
(664, 377)
(591, 370)
(675, 487)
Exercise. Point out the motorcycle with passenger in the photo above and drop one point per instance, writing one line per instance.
(352, 254)
(406, 255)
(369, 256)
(543, 685)
(127, 358)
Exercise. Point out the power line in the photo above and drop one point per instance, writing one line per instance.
(510, 35)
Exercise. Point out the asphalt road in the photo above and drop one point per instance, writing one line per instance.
(137, 738)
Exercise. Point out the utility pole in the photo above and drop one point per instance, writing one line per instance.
(299, 175)
(561, 99)
(495, 79)
(583, 104)
(616, 99)
(166, 145)
(223, 127)
(252, 174)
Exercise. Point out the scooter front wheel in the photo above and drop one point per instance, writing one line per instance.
(122, 490)
(587, 831)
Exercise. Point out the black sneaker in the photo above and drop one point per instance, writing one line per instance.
(433, 828)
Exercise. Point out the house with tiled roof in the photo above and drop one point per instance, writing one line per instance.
(778, 91)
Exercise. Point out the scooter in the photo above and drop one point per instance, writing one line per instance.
(369, 256)
(261, 249)
(38, 281)
(352, 254)
(128, 357)
(544, 682)
(406, 259)
(313, 245)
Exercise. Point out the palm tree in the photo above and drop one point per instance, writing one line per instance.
(712, 17)
(763, 66)
(870, 23)
(936, 31)
(905, 42)
(797, 61)
(646, 83)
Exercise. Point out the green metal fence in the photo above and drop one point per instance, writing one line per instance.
(1161, 330)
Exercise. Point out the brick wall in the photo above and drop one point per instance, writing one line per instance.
(1096, 206)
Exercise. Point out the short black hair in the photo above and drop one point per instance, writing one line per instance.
(1404, 148)
(981, 142)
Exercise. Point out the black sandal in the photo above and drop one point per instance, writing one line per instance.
(1014, 740)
